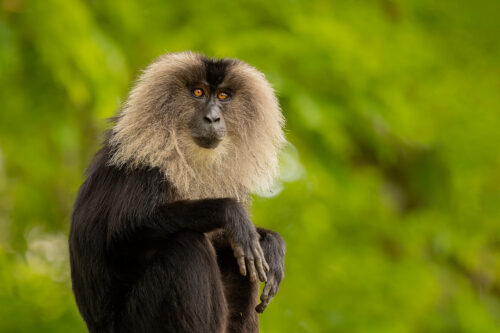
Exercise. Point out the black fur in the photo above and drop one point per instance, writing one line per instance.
(215, 70)
(143, 261)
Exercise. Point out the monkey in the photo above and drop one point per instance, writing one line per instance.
(160, 237)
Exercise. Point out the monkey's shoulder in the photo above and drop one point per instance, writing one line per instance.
(109, 189)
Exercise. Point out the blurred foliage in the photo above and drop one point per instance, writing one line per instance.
(390, 196)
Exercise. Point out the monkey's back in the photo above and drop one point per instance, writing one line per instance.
(106, 198)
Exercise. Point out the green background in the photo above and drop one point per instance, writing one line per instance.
(390, 192)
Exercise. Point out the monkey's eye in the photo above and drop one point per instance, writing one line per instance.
(222, 95)
(198, 92)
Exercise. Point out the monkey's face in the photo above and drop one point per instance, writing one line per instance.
(208, 127)
(214, 101)
(190, 115)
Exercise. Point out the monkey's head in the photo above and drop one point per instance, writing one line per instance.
(214, 127)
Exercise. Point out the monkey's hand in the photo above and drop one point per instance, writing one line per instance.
(274, 248)
(246, 247)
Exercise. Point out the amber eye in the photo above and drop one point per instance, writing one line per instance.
(222, 95)
(198, 92)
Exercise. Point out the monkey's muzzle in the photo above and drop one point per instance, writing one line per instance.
(208, 128)
(208, 142)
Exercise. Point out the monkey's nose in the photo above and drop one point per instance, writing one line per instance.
(211, 118)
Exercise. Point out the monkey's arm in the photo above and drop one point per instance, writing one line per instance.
(138, 209)
(274, 252)
(203, 216)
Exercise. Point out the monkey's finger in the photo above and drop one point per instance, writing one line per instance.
(242, 266)
(260, 269)
(265, 299)
(262, 306)
(265, 292)
(259, 264)
(264, 261)
(266, 266)
(240, 258)
(238, 251)
(251, 270)
(260, 253)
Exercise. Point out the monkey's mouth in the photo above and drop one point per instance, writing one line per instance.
(207, 142)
